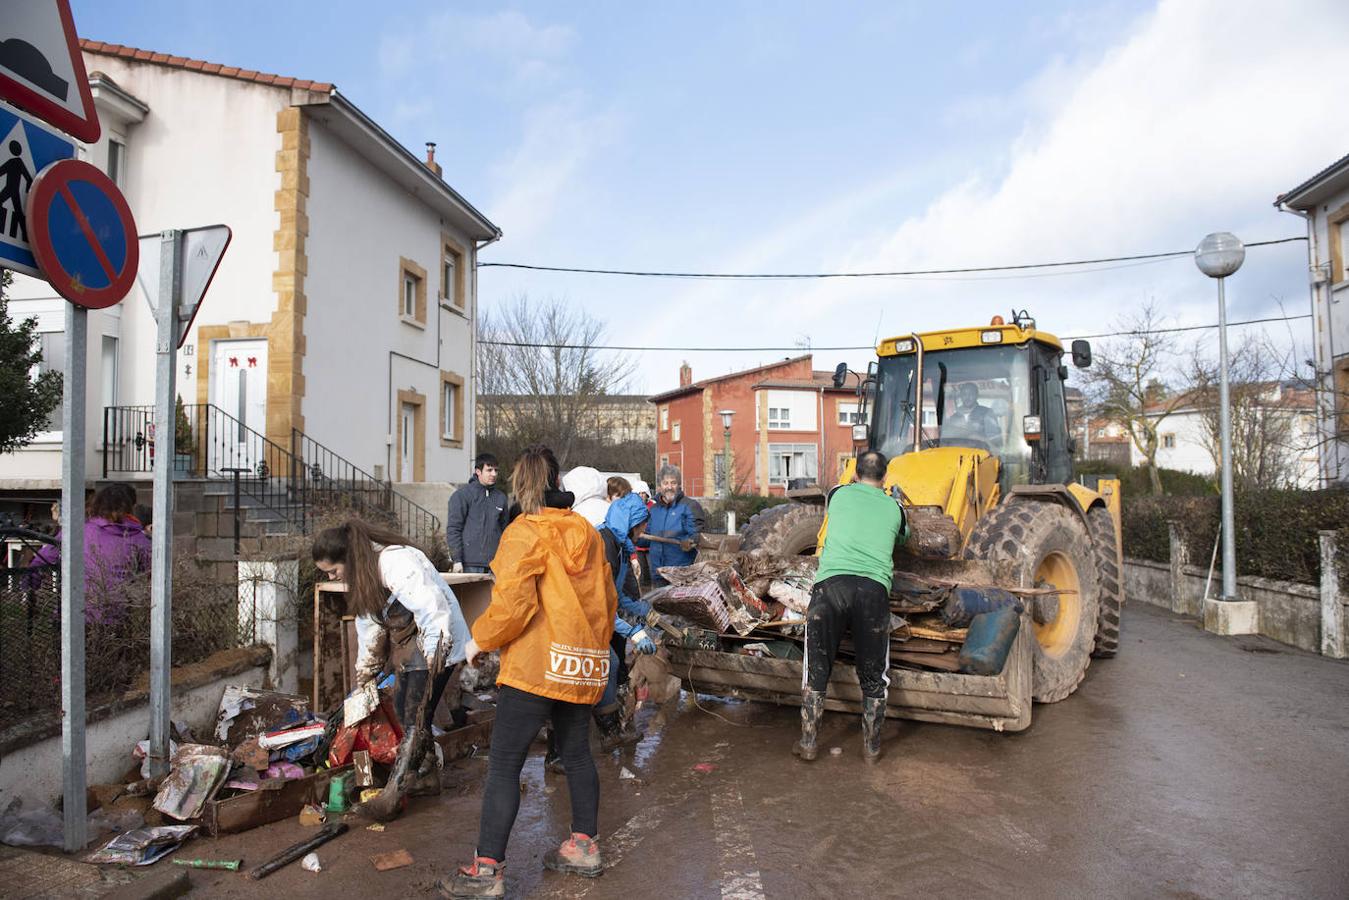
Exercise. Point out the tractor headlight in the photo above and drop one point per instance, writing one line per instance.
(1030, 427)
(991, 337)
(904, 346)
(859, 433)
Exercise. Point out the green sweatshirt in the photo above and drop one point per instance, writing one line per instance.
(864, 525)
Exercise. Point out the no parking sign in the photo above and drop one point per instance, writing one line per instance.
(82, 234)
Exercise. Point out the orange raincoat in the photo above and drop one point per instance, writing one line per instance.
(552, 610)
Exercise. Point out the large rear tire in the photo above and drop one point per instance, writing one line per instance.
(1106, 544)
(791, 529)
(1049, 546)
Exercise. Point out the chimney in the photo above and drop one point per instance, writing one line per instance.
(431, 158)
(685, 375)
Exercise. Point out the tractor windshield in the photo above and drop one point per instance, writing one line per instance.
(972, 397)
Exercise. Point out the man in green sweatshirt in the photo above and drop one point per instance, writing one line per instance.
(852, 592)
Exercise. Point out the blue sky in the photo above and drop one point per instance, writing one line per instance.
(756, 137)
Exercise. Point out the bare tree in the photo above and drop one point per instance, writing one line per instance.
(1127, 382)
(540, 378)
(1266, 435)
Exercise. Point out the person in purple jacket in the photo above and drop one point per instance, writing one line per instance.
(116, 549)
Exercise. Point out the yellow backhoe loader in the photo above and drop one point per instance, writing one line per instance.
(975, 423)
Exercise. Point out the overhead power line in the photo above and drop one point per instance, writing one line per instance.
(961, 270)
(633, 348)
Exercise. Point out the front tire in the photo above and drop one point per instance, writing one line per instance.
(1049, 546)
(790, 529)
(1106, 544)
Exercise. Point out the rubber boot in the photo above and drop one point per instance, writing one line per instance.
(580, 855)
(485, 878)
(873, 718)
(812, 710)
(612, 732)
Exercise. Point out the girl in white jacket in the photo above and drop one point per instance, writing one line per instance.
(403, 608)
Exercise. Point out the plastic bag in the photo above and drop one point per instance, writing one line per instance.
(34, 828)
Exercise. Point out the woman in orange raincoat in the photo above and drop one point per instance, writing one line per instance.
(551, 616)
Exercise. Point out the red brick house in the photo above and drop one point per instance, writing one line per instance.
(790, 423)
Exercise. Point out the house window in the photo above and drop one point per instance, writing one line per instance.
(451, 410)
(674, 432)
(849, 413)
(53, 360)
(1169, 441)
(1100, 432)
(116, 161)
(779, 418)
(452, 275)
(664, 459)
(665, 418)
(929, 418)
(411, 293)
(788, 461)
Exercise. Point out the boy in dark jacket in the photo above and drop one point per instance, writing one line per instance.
(477, 516)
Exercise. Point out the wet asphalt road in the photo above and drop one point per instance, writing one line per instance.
(1189, 766)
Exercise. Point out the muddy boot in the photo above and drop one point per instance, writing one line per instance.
(613, 734)
(812, 710)
(873, 718)
(578, 856)
(427, 782)
(485, 878)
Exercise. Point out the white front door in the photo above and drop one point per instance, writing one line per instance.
(239, 390)
(408, 442)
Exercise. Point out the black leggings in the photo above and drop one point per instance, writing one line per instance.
(862, 606)
(519, 717)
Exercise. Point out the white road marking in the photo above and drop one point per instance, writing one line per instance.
(739, 864)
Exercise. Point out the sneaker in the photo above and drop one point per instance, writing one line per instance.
(578, 856)
(485, 878)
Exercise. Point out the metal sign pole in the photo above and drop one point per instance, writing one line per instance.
(161, 567)
(72, 579)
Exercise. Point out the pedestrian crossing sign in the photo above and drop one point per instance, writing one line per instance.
(27, 146)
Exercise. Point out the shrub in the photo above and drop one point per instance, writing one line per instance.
(1276, 530)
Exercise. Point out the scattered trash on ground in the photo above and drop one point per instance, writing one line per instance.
(231, 865)
(310, 863)
(705, 768)
(141, 846)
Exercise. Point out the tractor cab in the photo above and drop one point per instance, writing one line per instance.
(999, 389)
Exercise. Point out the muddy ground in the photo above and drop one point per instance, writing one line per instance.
(1190, 766)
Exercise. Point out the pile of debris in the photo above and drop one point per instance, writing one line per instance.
(755, 603)
(271, 757)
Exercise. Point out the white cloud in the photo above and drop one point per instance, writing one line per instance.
(559, 139)
(1197, 117)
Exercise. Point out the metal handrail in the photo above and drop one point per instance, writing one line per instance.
(285, 480)
(324, 474)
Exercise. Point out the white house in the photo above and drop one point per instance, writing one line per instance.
(1184, 442)
(1323, 202)
(342, 314)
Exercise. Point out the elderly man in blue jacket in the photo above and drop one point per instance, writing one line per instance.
(676, 517)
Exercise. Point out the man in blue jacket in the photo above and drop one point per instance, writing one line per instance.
(676, 517)
(477, 516)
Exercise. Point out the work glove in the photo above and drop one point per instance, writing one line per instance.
(643, 643)
(457, 568)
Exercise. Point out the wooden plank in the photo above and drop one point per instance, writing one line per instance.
(938, 633)
(394, 859)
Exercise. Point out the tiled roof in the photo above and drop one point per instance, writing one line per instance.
(699, 385)
(201, 65)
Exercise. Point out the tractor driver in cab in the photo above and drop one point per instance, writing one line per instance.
(971, 418)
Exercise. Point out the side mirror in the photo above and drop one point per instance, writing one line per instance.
(1082, 354)
(840, 374)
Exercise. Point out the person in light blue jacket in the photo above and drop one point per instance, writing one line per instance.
(673, 516)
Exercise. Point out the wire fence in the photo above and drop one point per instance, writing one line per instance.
(210, 613)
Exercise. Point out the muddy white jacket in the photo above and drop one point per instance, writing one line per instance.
(419, 602)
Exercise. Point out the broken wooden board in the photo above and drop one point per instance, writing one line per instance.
(944, 662)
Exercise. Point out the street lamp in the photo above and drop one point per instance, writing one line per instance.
(726, 415)
(1218, 256)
